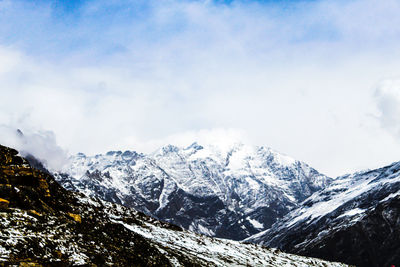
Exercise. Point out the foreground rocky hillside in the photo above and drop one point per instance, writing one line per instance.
(355, 220)
(229, 192)
(41, 223)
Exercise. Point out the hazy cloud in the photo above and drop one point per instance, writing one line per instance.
(297, 76)
(388, 102)
(41, 144)
(225, 138)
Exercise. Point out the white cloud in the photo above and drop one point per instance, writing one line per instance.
(388, 102)
(224, 138)
(117, 75)
(41, 144)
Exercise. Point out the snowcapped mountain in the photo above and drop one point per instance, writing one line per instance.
(355, 220)
(42, 224)
(229, 192)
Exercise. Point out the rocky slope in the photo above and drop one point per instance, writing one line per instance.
(42, 224)
(229, 192)
(355, 220)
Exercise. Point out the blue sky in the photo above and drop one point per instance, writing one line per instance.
(104, 27)
(317, 80)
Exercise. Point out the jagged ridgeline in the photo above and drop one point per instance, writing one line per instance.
(228, 192)
(43, 224)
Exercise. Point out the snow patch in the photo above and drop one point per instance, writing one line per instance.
(255, 223)
(352, 212)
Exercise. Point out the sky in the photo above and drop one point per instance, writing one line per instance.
(317, 80)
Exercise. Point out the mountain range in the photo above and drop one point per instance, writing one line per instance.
(43, 224)
(228, 192)
(253, 194)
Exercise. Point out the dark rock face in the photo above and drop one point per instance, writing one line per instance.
(373, 241)
(356, 220)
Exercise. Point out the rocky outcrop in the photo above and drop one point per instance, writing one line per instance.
(21, 185)
(4, 203)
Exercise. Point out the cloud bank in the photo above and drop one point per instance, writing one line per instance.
(297, 76)
(40, 144)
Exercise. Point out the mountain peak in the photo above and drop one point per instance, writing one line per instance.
(194, 146)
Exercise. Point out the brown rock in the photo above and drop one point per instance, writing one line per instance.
(4, 203)
(75, 217)
(30, 264)
(34, 212)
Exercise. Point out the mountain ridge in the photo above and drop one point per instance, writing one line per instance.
(43, 224)
(355, 219)
(229, 192)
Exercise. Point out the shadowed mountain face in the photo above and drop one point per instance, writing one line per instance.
(42, 224)
(229, 192)
(355, 220)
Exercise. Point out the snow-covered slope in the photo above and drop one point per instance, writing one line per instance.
(356, 220)
(217, 252)
(42, 224)
(225, 192)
